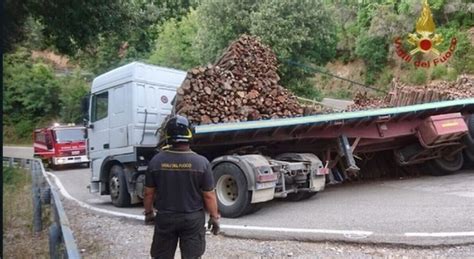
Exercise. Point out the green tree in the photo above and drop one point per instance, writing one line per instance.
(220, 22)
(298, 33)
(31, 90)
(303, 33)
(30, 95)
(175, 45)
(373, 50)
(136, 39)
(73, 88)
(68, 26)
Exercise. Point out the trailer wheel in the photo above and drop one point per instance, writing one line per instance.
(446, 165)
(233, 196)
(118, 187)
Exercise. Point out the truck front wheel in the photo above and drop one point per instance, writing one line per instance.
(118, 187)
(233, 196)
(446, 165)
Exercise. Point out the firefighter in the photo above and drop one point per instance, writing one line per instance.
(179, 184)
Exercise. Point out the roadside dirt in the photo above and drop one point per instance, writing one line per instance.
(103, 236)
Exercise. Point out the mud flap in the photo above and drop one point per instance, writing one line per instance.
(318, 183)
(262, 195)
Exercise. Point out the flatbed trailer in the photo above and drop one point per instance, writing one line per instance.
(258, 161)
(366, 131)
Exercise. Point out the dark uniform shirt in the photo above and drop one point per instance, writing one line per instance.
(179, 177)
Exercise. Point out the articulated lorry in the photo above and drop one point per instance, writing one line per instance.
(257, 161)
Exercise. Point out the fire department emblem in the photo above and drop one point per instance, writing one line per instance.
(425, 39)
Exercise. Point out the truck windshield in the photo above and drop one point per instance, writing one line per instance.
(68, 135)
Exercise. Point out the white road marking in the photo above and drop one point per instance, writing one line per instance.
(346, 233)
(441, 234)
(87, 206)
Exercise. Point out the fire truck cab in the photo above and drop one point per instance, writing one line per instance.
(60, 145)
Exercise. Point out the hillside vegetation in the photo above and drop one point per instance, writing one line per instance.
(54, 48)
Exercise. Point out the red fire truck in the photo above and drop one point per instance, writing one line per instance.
(60, 145)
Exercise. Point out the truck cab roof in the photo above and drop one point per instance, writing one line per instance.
(138, 72)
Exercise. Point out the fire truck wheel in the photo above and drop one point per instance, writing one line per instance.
(52, 165)
(118, 187)
(233, 196)
(446, 165)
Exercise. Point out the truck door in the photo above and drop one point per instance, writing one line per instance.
(118, 117)
(98, 130)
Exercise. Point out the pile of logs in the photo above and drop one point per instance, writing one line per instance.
(401, 94)
(241, 86)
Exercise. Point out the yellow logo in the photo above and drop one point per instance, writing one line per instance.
(425, 40)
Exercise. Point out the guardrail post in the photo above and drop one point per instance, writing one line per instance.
(23, 163)
(54, 240)
(36, 192)
(10, 162)
(46, 195)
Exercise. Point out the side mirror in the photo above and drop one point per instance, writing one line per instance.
(85, 108)
(87, 124)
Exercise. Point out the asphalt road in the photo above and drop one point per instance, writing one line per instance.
(336, 103)
(421, 211)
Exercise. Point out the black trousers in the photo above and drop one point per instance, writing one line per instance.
(188, 228)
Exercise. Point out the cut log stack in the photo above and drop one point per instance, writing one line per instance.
(401, 94)
(241, 86)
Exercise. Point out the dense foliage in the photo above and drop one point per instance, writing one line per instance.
(35, 96)
(97, 36)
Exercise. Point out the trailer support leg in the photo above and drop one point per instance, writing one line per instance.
(346, 152)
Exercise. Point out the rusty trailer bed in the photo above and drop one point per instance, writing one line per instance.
(377, 129)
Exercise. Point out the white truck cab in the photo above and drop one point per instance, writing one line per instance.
(127, 105)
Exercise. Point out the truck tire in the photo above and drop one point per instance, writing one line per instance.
(469, 142)
(470, 125)
(444, 166)
(52, 165)
(118, 187)
(233, 196)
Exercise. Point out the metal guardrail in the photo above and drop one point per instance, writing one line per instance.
(61, 239)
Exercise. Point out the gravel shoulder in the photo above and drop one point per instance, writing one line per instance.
(104, 236)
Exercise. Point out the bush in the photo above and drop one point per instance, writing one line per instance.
(439, 72)
(385, 79)
(342, 93)
(416, 77)
(305, 88)
(463, 58)
(451, 75)
(374, 51)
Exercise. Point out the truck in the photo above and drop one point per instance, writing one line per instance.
(257, 161)
(60, 145)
